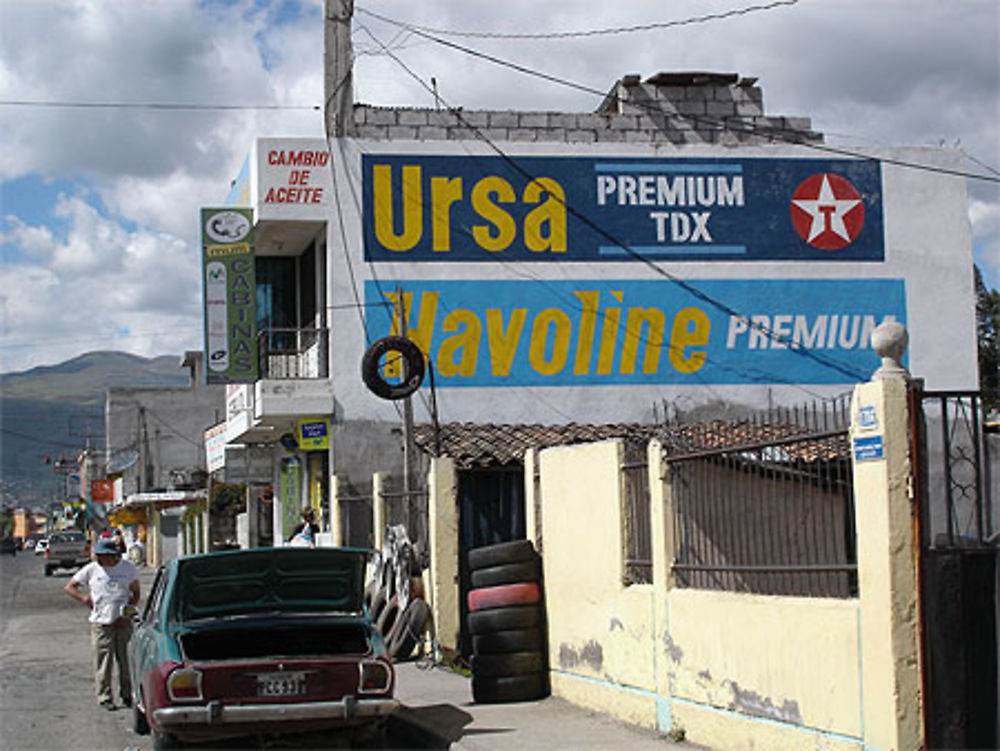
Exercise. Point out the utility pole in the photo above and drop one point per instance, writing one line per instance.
(338, 76)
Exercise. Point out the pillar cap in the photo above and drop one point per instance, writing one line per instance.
(889, 340)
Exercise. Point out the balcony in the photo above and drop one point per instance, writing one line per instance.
(288, 353)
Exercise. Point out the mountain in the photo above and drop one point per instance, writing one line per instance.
(52, 412)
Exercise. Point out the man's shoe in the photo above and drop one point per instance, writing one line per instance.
(108, 705)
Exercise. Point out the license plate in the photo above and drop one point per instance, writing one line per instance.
(281, 684)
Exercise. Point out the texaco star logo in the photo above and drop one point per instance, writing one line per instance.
(827, 211)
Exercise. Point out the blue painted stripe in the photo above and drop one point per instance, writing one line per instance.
(673, 250)
(648, 168)
(773, 723)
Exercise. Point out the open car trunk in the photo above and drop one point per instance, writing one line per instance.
(290, 640)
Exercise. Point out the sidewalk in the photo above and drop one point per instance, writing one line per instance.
(438, 707)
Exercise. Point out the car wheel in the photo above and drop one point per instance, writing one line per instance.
(165, 742)
(373, 735)
(48, 571)
(139, 724)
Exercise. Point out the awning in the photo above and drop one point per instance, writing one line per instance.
(165, 499)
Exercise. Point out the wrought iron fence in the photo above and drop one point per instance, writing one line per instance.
(638, 529)
(765, 504)
(292, 353)
(356, 520)
(957, 469)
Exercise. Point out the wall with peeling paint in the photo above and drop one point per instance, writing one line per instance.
(733, 670)
(600, 631)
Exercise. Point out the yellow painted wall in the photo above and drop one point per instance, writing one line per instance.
(732, 670)
(789, 659)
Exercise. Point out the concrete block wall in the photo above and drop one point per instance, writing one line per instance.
(634, 112)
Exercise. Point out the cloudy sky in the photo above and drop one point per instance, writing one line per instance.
(120, 118)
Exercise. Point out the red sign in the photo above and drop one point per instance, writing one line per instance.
(102, 491)
(827, 211)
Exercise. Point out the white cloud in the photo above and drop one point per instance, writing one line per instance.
(117, 263)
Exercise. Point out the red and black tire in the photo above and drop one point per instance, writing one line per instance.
(504, 596)
(501, 553)
(387, 618)
(511, 688)
(513, 663)
(505, 619)
(508, 573)
(513, 640)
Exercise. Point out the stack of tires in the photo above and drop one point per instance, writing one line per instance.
(507, 623)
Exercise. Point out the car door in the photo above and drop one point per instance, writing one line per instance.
(142, 648)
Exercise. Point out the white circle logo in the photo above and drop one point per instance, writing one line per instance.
(227, 227)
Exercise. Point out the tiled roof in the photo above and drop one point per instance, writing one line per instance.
(485, 445)
(472, 445)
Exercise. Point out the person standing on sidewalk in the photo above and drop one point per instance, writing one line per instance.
(112, 591)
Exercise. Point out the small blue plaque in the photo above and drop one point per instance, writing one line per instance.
(868, 418)
(868, 448)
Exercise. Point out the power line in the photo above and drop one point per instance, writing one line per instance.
(825, 361)
(785, 135)
(591, 32)
(174, 106)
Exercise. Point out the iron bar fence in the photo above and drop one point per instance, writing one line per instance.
(765, 504)
(638, 529)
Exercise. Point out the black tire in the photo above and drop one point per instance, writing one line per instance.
(387, 619)
(165, 742)
(379, 602)
(48, 571)
(410, 628)
(513, 663)
(489, 690)
(501, 554)
(508, 573)
(504, 619)
(140, 726)
(371, 372)
(514, 640)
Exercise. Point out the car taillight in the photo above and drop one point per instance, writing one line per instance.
(376, 677)
(184, 684)
(47, 552)
(86, 550)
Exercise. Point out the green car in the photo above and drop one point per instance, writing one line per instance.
(261, 641)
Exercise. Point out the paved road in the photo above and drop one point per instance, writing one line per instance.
(47, 698)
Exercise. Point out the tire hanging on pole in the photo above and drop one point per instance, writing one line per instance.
(413, 367)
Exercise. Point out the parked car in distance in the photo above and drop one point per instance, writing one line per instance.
(66, 549)
(8, 546)
(267, 640)
(41, 546)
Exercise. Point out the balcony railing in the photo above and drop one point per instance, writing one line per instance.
(286, 353)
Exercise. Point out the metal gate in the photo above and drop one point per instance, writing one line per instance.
(959, 567)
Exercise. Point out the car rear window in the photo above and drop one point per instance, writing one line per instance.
(67, 537)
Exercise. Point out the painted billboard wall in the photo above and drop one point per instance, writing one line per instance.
(572, 283)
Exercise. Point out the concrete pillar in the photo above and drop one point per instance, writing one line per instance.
(442, 485)
(378, 511)
(887, 554)
(661, 520)
(336, 513)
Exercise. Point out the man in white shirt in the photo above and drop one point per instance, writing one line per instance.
(112, 589)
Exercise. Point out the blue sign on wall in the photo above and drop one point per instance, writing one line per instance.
(422, 208)
(614, 332)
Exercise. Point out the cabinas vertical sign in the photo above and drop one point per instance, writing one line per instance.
(229, 284)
